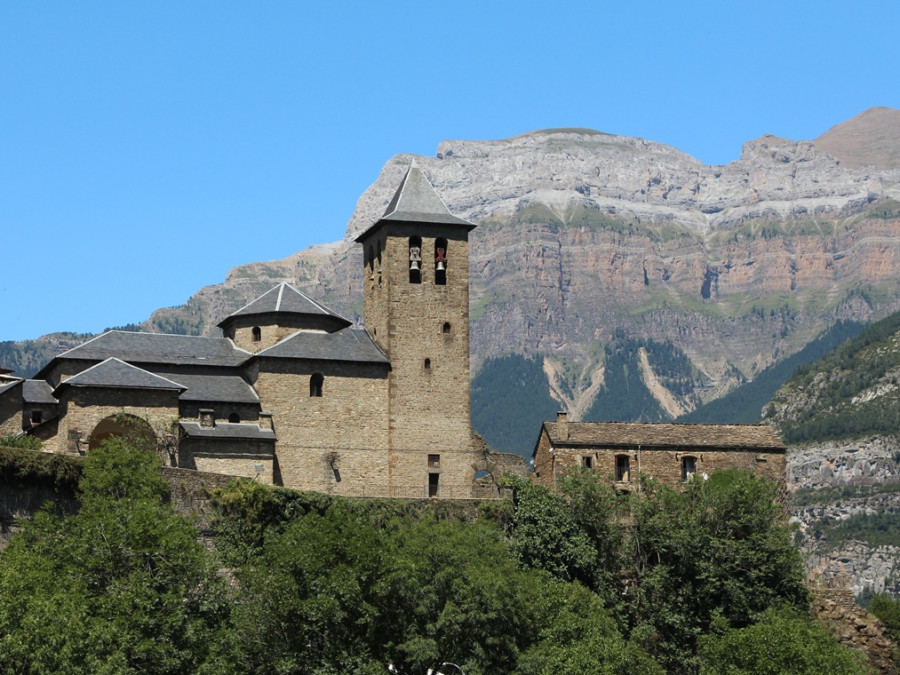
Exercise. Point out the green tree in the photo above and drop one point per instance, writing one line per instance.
(123, 586)
(782, 641)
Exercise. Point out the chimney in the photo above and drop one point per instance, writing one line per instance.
(207, 418)
(562, 425)
(265, 421)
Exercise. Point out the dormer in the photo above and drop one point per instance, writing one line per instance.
(277, 314)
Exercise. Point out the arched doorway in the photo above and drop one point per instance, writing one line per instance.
(125, 425)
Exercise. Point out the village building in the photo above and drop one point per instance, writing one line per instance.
(292, 393)
(671, 453)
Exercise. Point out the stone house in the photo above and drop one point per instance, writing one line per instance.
(292, 393)
(671, 453)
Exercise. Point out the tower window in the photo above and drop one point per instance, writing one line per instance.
(427, 364)
(440, 261)
(415, 260)
(688, 467)
(315, 385)
(446, 327)
(257, 333)
(623, 468)
(371, 263)
(434, 461)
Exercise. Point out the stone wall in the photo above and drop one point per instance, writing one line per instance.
(232, 457)
(11, 412)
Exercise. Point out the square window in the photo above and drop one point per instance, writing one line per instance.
(434, 461)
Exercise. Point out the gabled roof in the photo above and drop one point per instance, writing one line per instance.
(228, 430)
(116, 374)
(285, 299)
(9, 385)
(417, 201)
(156, 348)
(37, 391)
(214, 388)
(350, 344)
(651, 436)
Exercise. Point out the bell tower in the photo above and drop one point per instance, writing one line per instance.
(416, 306)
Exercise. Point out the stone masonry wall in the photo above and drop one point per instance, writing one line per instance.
(335, 443)
(82, 409)
(11, 412)
(237, 457)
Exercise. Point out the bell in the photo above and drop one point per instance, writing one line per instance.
(441, 266)
(414, 265)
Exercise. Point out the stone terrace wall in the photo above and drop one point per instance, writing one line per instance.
(855, 627)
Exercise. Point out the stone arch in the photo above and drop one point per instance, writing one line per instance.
(121, 424)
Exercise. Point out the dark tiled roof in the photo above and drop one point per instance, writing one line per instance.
(158, 348)
(37, 391)
(285, 299)
(117, 374)
(228, 430)
(9, 385)
(666, 435)
(224, 388)
(350, 344)
(417, 201)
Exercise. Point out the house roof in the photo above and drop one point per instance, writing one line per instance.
(417, 201)
(228, 430)
(37, 391)
(116, 374)
(350, 344)
(156, 348)
(285, 299)
(214, 388)
(649, 435)
(9, 386)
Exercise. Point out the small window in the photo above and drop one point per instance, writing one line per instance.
(37, 416)
(433, 479)
(427, 364)
(415, 260)
(446, 328)
(315, 385)
(257, 333)
(234, 418)
(587, 462)
(434, 461)
(623, 468)
(371, 263)
(688, 467)
(440, 261)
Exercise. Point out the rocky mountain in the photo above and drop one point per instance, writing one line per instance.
(841, 418)
(585, 238)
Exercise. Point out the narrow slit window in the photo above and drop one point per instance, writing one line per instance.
(440, 261)
(415, 260)
(433, 479)
(445, 329)
(315, 385)
(257, 333)
(623, 468)
(688, 467)
(427, 364)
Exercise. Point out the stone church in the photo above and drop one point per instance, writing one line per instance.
(292, 393)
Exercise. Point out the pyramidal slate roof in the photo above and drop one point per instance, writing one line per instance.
(285, 299)
(214, 388)
(113, 373)
(37, 391)
(350, 344)
(653, 435)
(417, 201)
(156, 348)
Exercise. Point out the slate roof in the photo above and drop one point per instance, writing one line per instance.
(157, 348)
(285, 299)
(114, 373)
(228, 430)
(417, 201)
(9, 385)
(350, 344)
(649, 436)
(217, 388)
(37, 391)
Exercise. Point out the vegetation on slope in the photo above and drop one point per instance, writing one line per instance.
(295, 583)
(744, 404)
(851, 392)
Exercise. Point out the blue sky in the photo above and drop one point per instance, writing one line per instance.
(146, 148)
